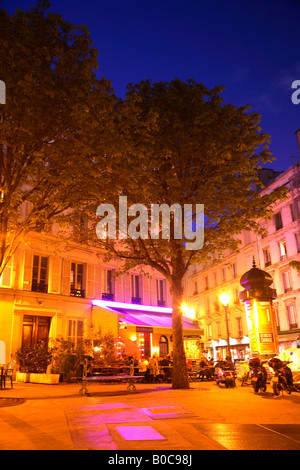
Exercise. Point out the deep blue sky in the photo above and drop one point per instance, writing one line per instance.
(252, 48)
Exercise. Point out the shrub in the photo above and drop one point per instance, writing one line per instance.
(34, 358)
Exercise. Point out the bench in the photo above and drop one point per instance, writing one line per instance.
(129, 379)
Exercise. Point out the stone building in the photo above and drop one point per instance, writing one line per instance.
(272, 253)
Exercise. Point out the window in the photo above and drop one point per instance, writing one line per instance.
(209, 331)
(219, 331)
(206, 283)
(223, 274)
(282, 249)
(77, 280)
(108, 284)
(136, 289)
(277, 317)
(75, 331)
(161, 291)
(239, 326)
(195, 288)
(278, 221)
(215, 279)
(234, 271)
(39, 274)
(292, 316)
(286, 278)
(292, 213)
(267, 257)
(81, 229)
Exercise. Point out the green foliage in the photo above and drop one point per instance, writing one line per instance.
(108, 348)
(66, 357)
(179, 143)
(295, 265)
(34, 358)
(50, 123)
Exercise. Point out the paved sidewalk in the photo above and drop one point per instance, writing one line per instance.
(55, 417)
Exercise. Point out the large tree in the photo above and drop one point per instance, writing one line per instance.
(178, 143)
(47, 124)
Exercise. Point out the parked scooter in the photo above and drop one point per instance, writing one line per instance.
(282, 379)
(258, 375)
(224, 374)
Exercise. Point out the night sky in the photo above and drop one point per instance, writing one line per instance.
(252, 48)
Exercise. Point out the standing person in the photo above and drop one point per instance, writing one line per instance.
(153, 365)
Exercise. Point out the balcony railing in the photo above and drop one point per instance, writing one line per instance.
(161, 303)
(136, 300)
(77, 292)
(108, 296)
(39, 287)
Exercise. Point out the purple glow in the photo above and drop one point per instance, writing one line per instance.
(139, 433)
(145, 308)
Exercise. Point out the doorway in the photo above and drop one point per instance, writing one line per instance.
(163, 346)
(35, 329)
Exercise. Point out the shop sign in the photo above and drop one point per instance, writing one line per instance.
(144, 329)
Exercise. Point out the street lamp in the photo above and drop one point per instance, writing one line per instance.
(225, 299)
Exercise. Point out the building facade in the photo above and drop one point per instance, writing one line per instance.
(272, 252)
(50, 289)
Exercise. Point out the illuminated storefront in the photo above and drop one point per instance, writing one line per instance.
(144, 330)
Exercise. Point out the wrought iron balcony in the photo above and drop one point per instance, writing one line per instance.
(108, 296)
(77, 292)
(39, 287)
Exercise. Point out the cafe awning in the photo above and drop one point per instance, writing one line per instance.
(149, 317)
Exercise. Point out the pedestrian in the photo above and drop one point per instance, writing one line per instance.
(153, 366)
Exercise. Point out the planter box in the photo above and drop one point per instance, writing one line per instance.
(37, 378)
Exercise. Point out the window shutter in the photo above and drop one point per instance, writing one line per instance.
(118, 288)
(55, 275)
(66, 287)
(5, 280)
(98, 290)
(146, 291)
(127, 288)
(90, 285)
(27, 273)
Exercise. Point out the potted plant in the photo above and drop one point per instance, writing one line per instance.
(33, 361)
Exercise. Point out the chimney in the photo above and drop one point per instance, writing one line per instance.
(298, 138)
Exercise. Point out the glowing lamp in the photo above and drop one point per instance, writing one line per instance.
(189, 312)
(224, 299)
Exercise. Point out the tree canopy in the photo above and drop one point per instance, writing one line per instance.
(46, 132)
(178, 143)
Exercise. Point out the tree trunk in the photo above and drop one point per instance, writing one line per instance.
(180, 373)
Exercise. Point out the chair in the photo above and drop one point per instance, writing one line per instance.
(8, 374)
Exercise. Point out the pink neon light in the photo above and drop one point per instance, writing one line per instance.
(144, 308)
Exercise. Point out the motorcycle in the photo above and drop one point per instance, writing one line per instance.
(258, 375)
(282, 379)
(224, 374)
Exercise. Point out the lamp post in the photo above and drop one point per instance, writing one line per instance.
(225, 299)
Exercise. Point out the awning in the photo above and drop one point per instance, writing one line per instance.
(155, 320)
(148, 316)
